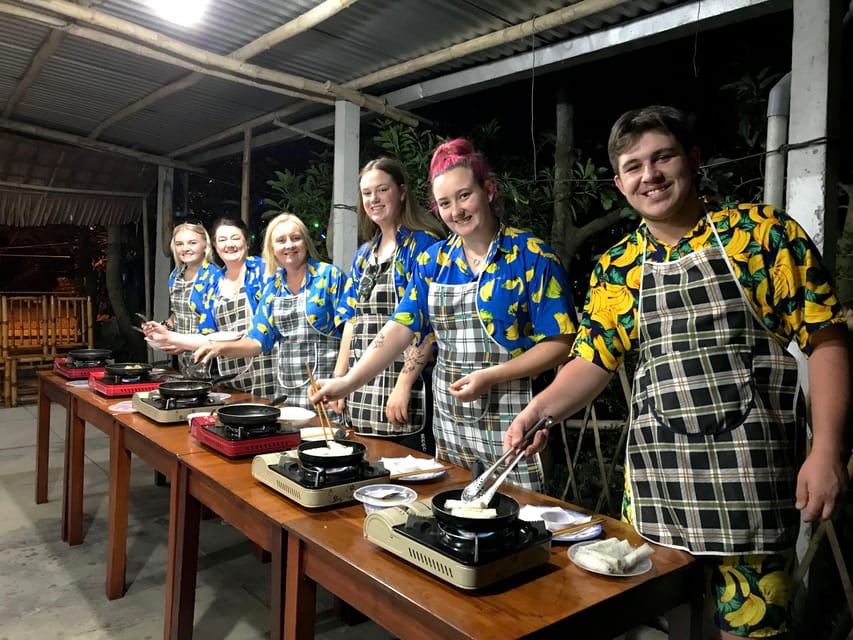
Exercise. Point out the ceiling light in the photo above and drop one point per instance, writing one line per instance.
(183, 12)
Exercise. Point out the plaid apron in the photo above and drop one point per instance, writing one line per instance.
(235, 314)
(366, 406)
(301, 343)
(467, 431)
(711, 449)
(186, 320)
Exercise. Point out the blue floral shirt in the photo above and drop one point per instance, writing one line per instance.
(254, 281)
(201, 302)
(323, 286)
(523, 292)
(409, 245)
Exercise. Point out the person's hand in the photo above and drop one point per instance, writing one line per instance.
(397, 409)
(821, 479)
(338, 406)
(471, 387)
(524, 421)
(155, 331)
(331, 389)
(206, 352)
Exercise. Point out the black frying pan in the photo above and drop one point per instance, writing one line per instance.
(90, 355)
(247, 414)
(328, 462)
(128, 369)
(507, 512)
(190, 388)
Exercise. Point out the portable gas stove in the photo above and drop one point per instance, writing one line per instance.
(112, 385)
(73, 369)
(235, 442)
(171, 410)
(465, 559)
(313, 487)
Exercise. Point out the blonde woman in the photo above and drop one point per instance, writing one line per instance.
(297, 305)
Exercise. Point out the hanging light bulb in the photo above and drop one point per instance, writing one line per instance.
(183, 12)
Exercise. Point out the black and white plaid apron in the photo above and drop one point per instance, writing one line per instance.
(467, 431)
(186, 320)
(366, 406)
(301, 343)
(711, 451)
(260, 379)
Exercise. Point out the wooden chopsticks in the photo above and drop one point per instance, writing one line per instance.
(580, 526)
(328, 430)
(417, 472)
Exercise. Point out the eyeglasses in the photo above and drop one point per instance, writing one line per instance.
(367, 282)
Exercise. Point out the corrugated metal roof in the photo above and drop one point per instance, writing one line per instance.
(85, 83)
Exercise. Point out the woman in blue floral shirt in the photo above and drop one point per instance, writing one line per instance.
(297, 304)
(498, 304)
(396, 403)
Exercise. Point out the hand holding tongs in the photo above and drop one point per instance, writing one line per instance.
(474, 491)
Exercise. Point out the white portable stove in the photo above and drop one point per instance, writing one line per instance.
(465, 560)
(313, 488)
(171, 410)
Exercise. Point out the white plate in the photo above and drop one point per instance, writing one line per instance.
(154, 344)
(77, 383)
(218, 397)
(224, 336)
(410, 463)
(296, 416)
(370, 496)
(642, 567)
(532, 513)
(126, 406)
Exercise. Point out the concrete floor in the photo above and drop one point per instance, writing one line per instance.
(51, 590)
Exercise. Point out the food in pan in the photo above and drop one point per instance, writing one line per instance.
(331, 449)
(612, 555)
(473, 509)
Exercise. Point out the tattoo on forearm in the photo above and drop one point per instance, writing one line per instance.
(414, 360)
(378, 341)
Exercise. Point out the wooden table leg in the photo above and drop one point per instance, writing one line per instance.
(278, 573)
(300, 595)
(184, 523)
(119, 498)
(42, 443)
(72, 491)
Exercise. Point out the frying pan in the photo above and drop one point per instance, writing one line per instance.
(128, 368)
(90, 355)
(247, 414)
(190, 388)
(328, 462)
(507, 512)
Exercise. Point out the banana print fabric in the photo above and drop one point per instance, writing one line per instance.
(409, 245)
(523, 294)
(201, 298)
(323, 285)
(776, 263)
(254, 281)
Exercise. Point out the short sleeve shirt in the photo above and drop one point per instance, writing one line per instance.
(776, 264)
(523, 294)
(254, 281)
(201, 298)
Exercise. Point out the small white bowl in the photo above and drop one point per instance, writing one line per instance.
(376, 497)
(558, 519)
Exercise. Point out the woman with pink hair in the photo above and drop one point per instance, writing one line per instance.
(497, 303)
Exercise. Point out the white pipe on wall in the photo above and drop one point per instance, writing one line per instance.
(778, 108)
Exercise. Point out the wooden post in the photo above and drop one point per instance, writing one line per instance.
(247, 170)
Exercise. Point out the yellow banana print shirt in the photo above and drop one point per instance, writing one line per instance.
(775, 261)
(523, 294)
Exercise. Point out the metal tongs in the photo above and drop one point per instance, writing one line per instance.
(474, 491)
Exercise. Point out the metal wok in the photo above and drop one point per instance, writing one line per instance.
(328, 462)
(507, 509)
(128, 369)
(247, 414)
(90, 355)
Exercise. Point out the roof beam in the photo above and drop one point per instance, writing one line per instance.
(669, 23)
(51, 43)
(300, 24)
(85, 143)
(223, 63)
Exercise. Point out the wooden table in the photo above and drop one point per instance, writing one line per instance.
(51, 388)
(227, 487)
(327, 547)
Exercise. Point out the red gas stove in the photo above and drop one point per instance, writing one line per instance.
(68, 367)
(114, 385)
(236, 442)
